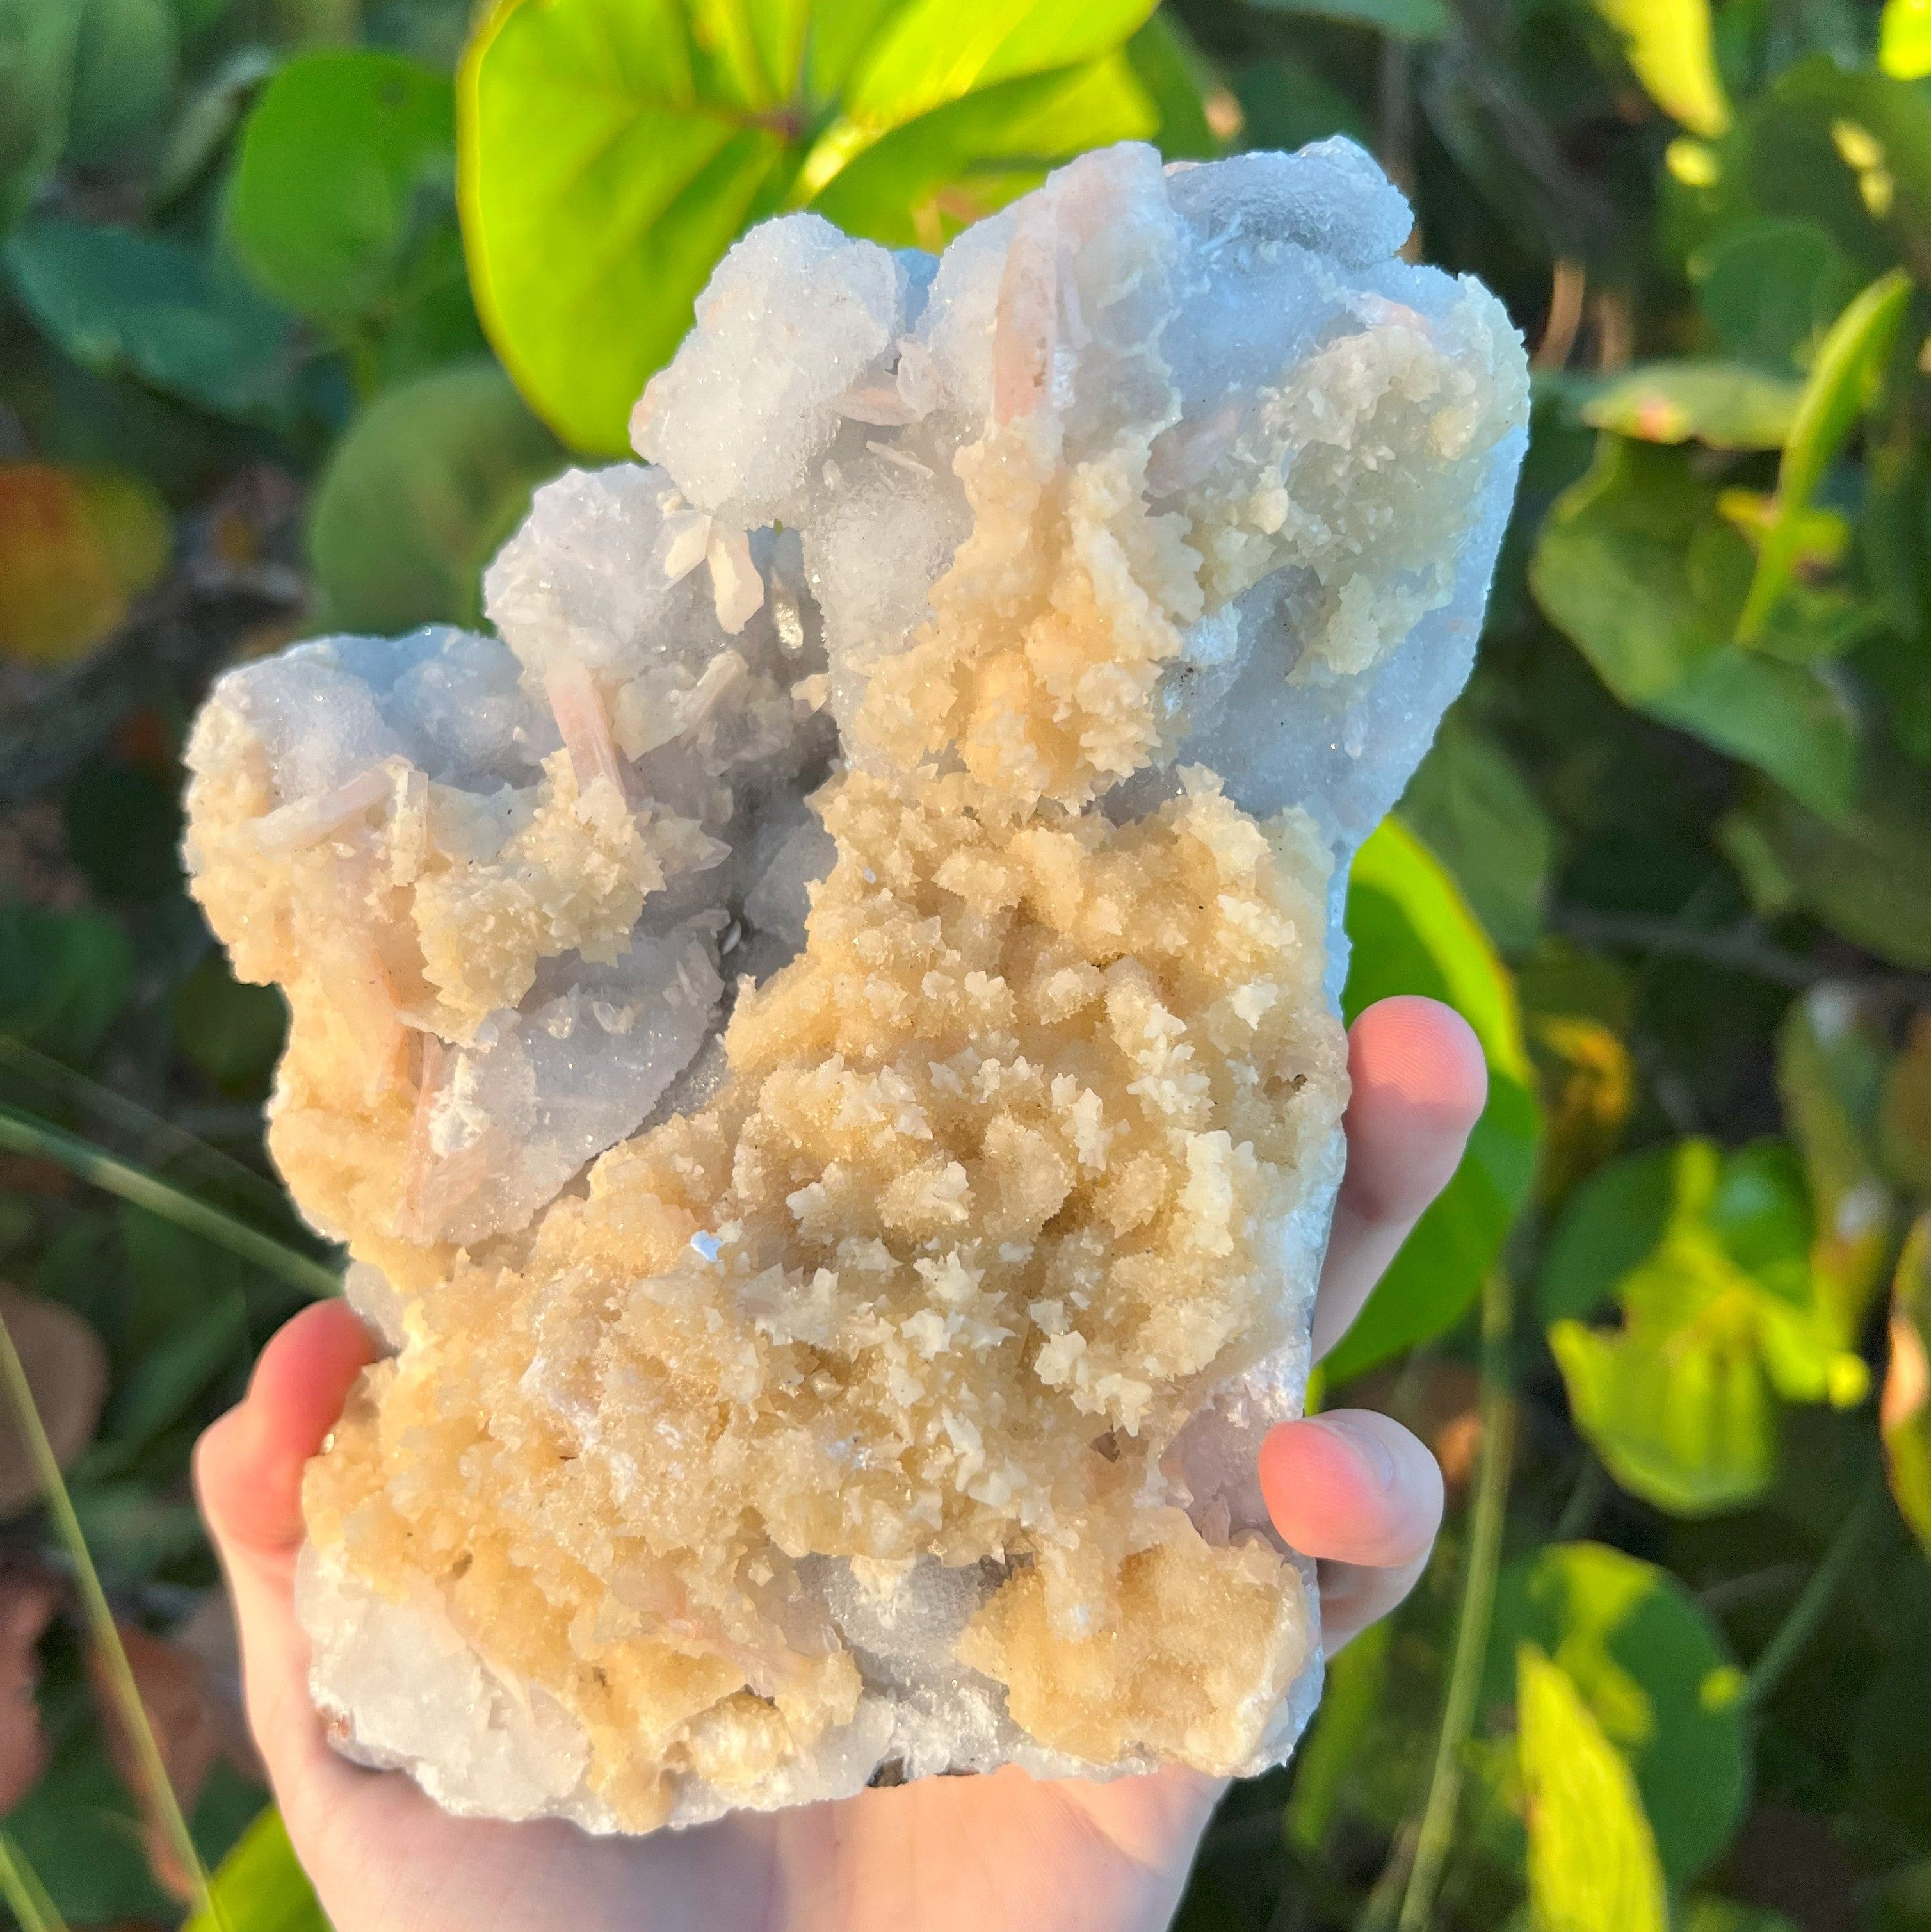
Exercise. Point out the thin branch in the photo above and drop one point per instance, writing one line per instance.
(1800, 1621)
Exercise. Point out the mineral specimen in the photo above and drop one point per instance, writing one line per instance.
(822, 1041)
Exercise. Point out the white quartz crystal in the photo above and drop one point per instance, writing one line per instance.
(822, 1041)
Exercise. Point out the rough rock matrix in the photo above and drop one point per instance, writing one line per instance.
(822, 1041)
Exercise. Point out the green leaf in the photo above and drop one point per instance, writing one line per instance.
(1412, 932)
(1771, 286)
(261, 1887)
(1635, 564)
(1904, 1411)
(1614, 1219)
(428, 481)
(1904, 39)
(611, 150)
(1353, 1695)
(1593, 1865)
(1726, 405)
(1671, 51)
(211, 1337)
(120, 302)
(1171, 69)
(133, 1532)
(1721, 1316)
(1867, 873)
(232, 1032)
(1849, 364)
(64, 978)
(347, 158)
(1723, 1915)
(1656, 1675)
(125, 57)
(1831, 1059)
(1286, 103)
(37, 44)
(1469, 805)
(1399, 19)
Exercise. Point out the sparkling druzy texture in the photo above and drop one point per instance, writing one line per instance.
(822, 1042)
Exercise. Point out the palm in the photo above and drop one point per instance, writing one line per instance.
(943, 1855)
(988, 1853)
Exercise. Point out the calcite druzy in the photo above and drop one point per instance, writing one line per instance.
(822, 1041)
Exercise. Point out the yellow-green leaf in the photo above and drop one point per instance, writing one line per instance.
(1592, 1863)
(609, 151)
(1904, 39)
(76, 546)
(260, 1887)
(1905, 1411)
(1671, 51)
(1726, 405)
(1850, 359)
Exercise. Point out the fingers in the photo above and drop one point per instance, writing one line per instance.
(248, 1464)
(1420, 1083)
(247, 1471)
(1356, 1491)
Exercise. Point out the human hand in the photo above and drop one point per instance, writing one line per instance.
(1000, 1853)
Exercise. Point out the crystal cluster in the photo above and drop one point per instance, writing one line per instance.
(820, 1035)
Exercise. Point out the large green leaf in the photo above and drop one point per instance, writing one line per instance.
(348, 156)
(1592, 1865)
(261, 1887)
(428, 481)
(1865, 872)
(1412, 932)
(1656, 1674)
(37, 44)
(1726, 405)
(611, 150)
(64, 977)
(1722, 1315)
(1468, 804)
(125, 56)
(1770, 286)
(1637, 565)
(123, 303)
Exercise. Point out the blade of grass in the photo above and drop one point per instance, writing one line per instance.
(21, 1133)
(101, 1625)
(26, 1896)
(130, 1117)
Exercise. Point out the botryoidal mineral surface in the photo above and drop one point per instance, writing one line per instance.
(821, 1036)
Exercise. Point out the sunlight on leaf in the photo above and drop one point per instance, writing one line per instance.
(609, 152)
(1654, 1671)
(1725, 405)
(1672, 51)
(261, 1887)
(1592, 1865)
(1904, 39)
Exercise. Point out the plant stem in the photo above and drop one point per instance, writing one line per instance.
(25, 1895)
(1486, 1523)
(1800, 1621)
(21, 1133)
(101, 1624)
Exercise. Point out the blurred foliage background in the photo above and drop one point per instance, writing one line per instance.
(299, 301)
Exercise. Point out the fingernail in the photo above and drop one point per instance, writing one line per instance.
(1365, 1442)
